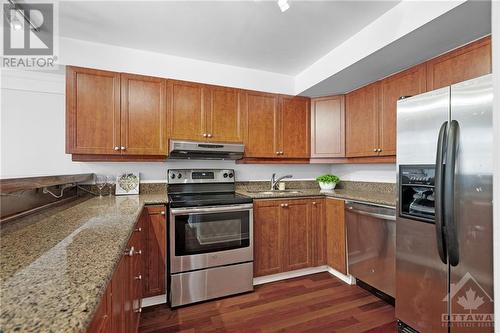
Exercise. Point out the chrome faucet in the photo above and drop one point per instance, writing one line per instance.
(275, 182)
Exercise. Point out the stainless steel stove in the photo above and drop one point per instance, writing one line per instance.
(211, 236)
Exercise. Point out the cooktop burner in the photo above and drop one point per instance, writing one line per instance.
(208, 199)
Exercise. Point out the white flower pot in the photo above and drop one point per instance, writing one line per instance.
(327, 186)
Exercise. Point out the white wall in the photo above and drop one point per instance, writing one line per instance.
(496, 177)
(384, 173)
(33, 137)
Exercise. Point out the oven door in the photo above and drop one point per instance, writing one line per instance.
(204, 237)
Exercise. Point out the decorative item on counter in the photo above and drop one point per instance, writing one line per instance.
(100, 182)
(127, 183)
(328, 181)
(110, 181)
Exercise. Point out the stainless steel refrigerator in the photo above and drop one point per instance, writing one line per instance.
(444, 241)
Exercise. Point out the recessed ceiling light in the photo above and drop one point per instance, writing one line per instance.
(283, 4)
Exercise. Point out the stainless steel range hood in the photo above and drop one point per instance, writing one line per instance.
(205, 150)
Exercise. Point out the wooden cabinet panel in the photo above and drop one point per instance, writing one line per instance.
(362, 108)
(101, 323)
(295, 129)
(465, 63)
(262, 125)
(136, 275)
(187, 107)
(336, 237)
(143, 115)
(268, 237)
(155, 241)
(296, 220)
(408, 83)
(119, 296)
(318, 226)
(92, 111)
(225, 121)
(328, 127)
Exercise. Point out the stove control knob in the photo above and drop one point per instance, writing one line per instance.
(179, 176)
(231, 175)
(172, 175)
(225, 175)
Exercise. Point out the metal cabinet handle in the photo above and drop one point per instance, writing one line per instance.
(209, 135)
(375, 150)
(129, 252)
(314, 203)
(117, 148)
(138, 229)
(138, 252)
(138, 277)
(277, 153)
(379, 150)
(162, 212)
(281, 153)
(123, 148)
(284, 205)
(139, 310)
(205, 135)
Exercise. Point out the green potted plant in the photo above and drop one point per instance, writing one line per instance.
(328, 181)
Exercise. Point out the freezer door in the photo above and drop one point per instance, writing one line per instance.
(471, 288)
(421, 277)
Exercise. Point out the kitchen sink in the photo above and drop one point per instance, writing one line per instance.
(276, 192)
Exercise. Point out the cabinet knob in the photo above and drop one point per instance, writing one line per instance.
(282, 205)
(117, 148)
(129, 252)
(285, 205)
(123, 148)
(162, 212)
(138, 229)
(375, 150)
(314, 202)
(138, 310)
(379, 150)
(138, 253)
(138, 277)
(209, 135)
(205, 135)
(277, 153)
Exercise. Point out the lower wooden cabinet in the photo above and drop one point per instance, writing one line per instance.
(336, 234)
(155, 242)
(290, 234)
(120, 307)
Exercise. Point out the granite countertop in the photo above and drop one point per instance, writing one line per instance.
(56, 265)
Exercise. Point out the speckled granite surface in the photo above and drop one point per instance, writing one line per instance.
(377, 193)
(56, 265)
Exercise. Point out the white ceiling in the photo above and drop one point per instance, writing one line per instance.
(252, 34)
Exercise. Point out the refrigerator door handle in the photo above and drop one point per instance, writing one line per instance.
(438, 189)
(449, 193)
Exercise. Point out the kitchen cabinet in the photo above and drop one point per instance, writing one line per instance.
(362, 113)
(335, 234)
(318, 227)
(143, 129)
(295, 216)
(277, 126)
(328, 127)
(92, 111)
(111, 114)
(407, 83)
(226, 115)
(465, 63)
(120, 307)
(154, 255)
(268, 237)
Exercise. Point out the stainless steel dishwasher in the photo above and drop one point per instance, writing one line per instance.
(371, 242)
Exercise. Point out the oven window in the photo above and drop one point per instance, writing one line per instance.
(203, 233)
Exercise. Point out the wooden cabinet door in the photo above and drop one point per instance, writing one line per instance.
(318, 225)
(362, 109)
(135, 275)
(295, 129)
(101, 322)
(187, 108)
(408, 83)
(225, 121)
(268, 237)
(154, 259)
(92, 111)
(262, 126)
(143, 115)
(465, 63)
(335, 233)
(119, 296)
(297, 226)
(328, 127)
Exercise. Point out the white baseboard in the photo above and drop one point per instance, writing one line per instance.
(155, 300)
(301, 272)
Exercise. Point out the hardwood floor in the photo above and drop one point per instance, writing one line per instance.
(313, 303)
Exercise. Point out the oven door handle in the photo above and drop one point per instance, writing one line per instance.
(211, 209)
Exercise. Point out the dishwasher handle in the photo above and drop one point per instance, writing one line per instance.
(377, 215)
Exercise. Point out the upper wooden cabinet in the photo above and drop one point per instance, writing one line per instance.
(143, 115)
(407, 83)
(470, 61)
(205, 113)
(114, 114)
(92, 111)
(362, 114)
(277, 126)
(263, 124)
(328, 127)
